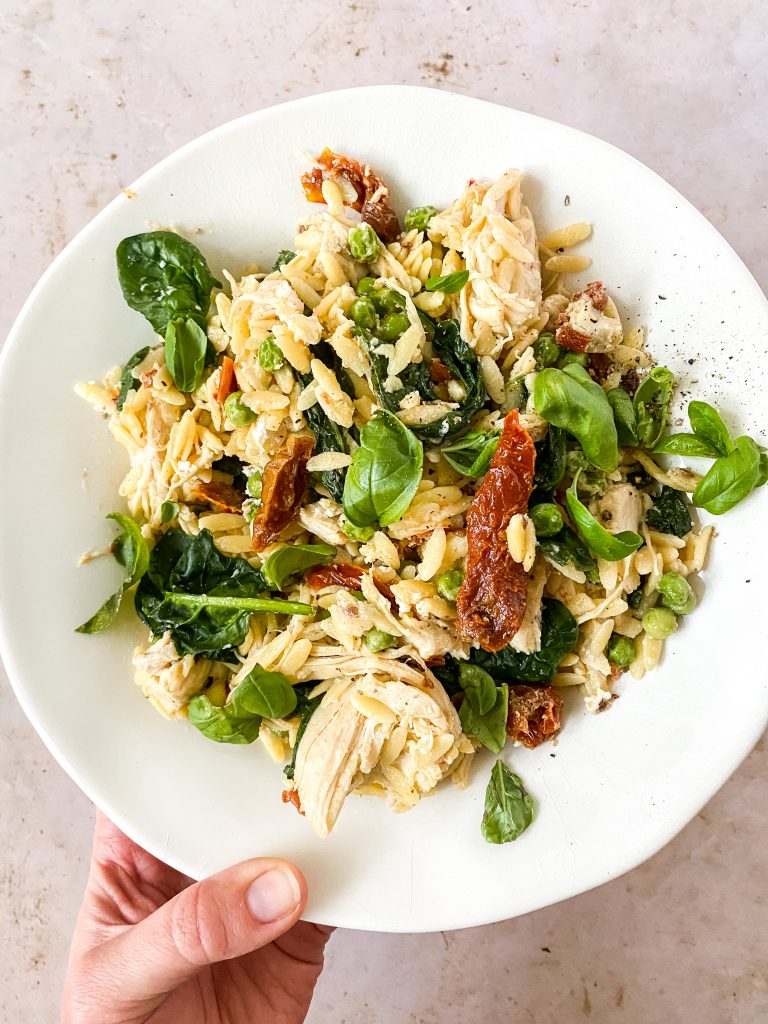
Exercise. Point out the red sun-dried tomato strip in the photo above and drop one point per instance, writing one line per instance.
(438, 371)
(565, 335)
(219, 495)
(227, 380)
(535, 714)
(291, 796)
(283, 487)
(340, 574)
(491, 601)
(372, 195)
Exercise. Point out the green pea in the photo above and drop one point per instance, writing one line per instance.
(366, 285)
(572, 357)
(547, 519)
(387, 301)
(393, 325)
(377, 640)
(358, 596)
(659, 623)
(363, 312)
(363, 243)
(546, 351)
(253, 484)
(621, 650)
(448, 584)
(419, 217)
(237, 411)
(270, 356)
(358, 533)
(676, 593)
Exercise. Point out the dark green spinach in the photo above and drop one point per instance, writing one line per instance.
(566, 548)
(202, 596)
(165, 277)
(283, 257)
(128, 382)
(669, 513)
(551, 456)
(306, 708)
(559, 635)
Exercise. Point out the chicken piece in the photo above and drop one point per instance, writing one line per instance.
(620, 508)
(528, 637)
(363, 188)
(322, 518)
(494, 231)
(168, 680)
(590, 322)
(399, 738)
(283, 488)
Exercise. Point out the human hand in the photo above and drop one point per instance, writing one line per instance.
(152, 945)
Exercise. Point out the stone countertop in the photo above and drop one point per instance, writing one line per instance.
(92, 95)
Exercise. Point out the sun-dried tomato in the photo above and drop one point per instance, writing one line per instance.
(630, 381)
(340, 574)
(227, 380)
(599, 366)
(491, 601)
(372, 195)
(438, 371)
(224, 497)
(291, 796)
(565, 335)
(535, 714)
(283, 487)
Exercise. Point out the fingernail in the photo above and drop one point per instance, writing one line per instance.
(273, 895)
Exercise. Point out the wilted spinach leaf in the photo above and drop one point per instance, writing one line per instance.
(567, 548)
(305, 709)
(127, 381)
(559, 635)
(551, 455)
(165, 277)
(669, 513)
(202, 596)
(283, 257)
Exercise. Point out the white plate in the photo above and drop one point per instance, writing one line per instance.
(617, 786)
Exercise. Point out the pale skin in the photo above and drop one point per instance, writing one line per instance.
(152, 945)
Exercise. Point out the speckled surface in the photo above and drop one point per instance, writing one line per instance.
(90, 96)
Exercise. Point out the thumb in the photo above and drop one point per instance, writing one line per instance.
(224, 916)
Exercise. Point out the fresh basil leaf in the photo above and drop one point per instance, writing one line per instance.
(128, 382)
(165, 277)
(731, 478)
(762, 476)
(385, 472)
(669, 513)
(610, 546)
(707, 424)
(305, 709)
(685, 444)
(283, 257)
(551, 456)
(204, 598)
(565, 548)
(268, 694)
(651, 405)
(169, 511)
(479, 688)
(291, 559)
(449, 284)
(571, 400)
(490, 728)
(185, 347)
(471, 455)
(559, 636)
(623, 415)
(131, 551)
(508, 808)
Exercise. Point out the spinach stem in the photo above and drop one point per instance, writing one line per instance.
(246, 604)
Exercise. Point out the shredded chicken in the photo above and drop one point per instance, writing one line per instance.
(590, 321)
(168, 680)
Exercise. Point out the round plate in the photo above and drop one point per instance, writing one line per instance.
(617, 786)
